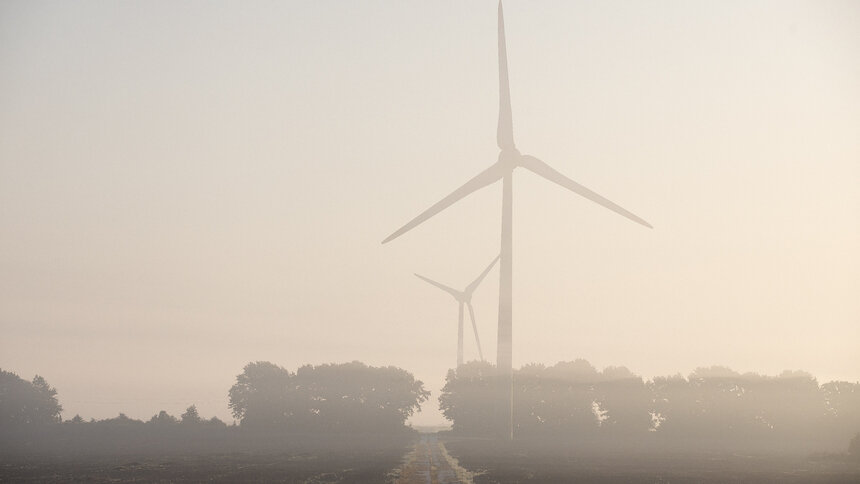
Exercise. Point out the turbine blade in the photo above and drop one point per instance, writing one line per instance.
(471, 287)
(486, 177)
(505, 130)
(539, 167)
(449, 290)
(475, 329)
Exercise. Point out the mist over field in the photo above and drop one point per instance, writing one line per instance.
(212, 216)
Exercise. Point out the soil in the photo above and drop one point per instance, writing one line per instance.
(495, 462)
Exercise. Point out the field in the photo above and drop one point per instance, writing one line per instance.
(493, 462)
(432, 458)
(306, 459)
(289, 468)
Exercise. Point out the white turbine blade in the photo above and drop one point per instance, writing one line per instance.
(471, 287)
(486, 177)
(449, 290)
(505, 130)
(475, 329)
(539, 167)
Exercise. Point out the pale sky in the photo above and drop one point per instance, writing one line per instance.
(186, 187)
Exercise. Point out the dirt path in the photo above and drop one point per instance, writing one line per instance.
(430, 463)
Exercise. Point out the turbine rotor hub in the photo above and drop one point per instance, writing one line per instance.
(510, 158)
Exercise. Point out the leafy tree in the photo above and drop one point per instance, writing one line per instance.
(261, 394)
(569, 399)
(569, 390)
(26, 403)
(123, 420)
(191, 416)
(162, 418)
(355, 396)
(626, 399)
(841, 408)
(216, 422)
(468, 398)
(854, 447)
(674, 405)
(332, 397)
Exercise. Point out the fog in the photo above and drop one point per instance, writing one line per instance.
(189, 187)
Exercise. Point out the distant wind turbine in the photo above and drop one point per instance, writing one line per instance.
(503, 169)
(464, 297)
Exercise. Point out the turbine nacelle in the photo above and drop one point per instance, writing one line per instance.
(509, 159)
(464, 297)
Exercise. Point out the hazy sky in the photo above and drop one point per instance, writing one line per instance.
(189, 186)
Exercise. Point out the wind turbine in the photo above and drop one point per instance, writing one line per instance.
(464, 297)
(503, 169)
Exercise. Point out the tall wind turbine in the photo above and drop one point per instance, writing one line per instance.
(464, 297)
(503, 169)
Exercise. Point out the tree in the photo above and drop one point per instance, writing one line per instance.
(356, 396)
(191, 416)
(331, 397)
(260, 395)
(570, 399)
(675, 409)
(627, 402)
(469, 397)
(854, 447)
(162, 418)
(215, 422)
(26, 403)
(571, 405)
(841, 408)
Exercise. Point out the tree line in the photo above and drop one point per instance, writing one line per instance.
(273, 406)
(569, 402)
(712, 407)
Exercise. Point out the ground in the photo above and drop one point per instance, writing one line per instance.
(340, 466)
(494, 462)
(433, 459)
(430, 463)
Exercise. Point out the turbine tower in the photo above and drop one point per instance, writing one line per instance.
(503, 169)
(464, 297)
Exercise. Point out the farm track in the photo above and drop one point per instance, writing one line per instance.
(430, 463)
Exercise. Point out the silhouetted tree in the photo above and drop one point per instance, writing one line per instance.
(261, 395)
(675, 406)
(468, 398)
(123, 419)
(191, 417)
(569, 399)
(332, 397)
(529, 400)
(719, 395)
(571, 405)
(626, 400)
(793, 406)
(216, 422)
(26, 403)
(854, 447)
(714, 406)
(354, 395)
(841, 408)
(162, 418)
